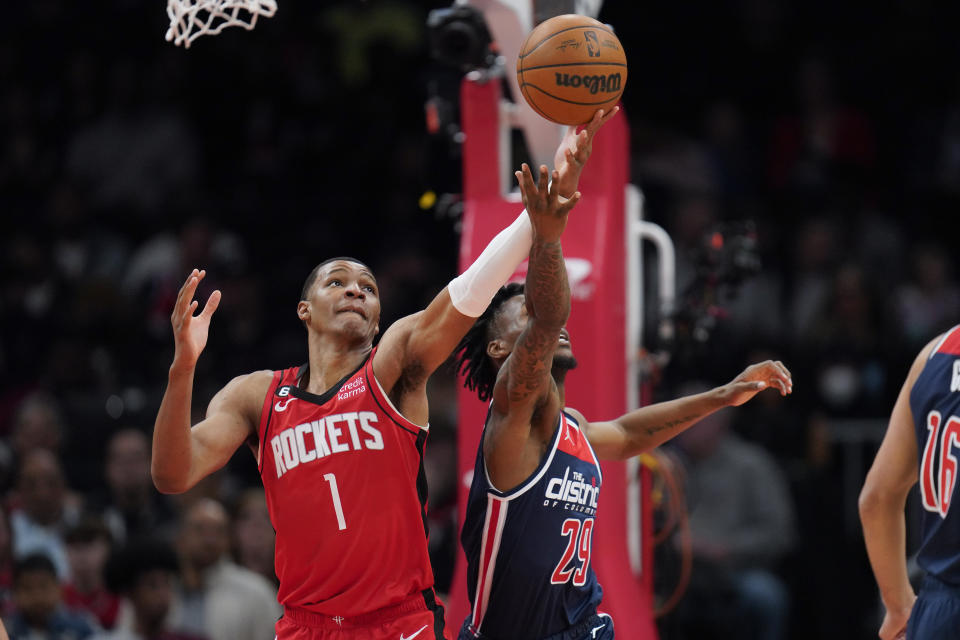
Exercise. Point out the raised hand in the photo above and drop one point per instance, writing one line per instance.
(190, 331)
(755, 379)
(546, 208)
(575, 150)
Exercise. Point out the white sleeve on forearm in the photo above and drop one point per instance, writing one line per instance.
(473, 289)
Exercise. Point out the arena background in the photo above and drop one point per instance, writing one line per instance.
(125, 161)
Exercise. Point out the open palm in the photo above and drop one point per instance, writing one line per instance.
(189, 331)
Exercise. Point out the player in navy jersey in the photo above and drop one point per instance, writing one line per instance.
(536, 485)
(339, 440)
(922, 444)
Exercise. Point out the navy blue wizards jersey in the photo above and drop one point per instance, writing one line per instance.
(935, 402)
(528, 549)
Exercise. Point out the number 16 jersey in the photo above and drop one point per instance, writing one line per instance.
(528, 549)
(935, 403)
(347, 494)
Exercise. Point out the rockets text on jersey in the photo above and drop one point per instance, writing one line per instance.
(346, 489)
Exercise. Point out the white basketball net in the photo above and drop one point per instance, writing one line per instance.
(190, 19)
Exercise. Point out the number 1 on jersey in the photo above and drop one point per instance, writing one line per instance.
(332, 480)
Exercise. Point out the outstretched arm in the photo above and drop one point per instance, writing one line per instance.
(650, 426)
(525, 395)
(526, 375)
(183, 455)
(415, 346)
(882, 501)
(575, 150)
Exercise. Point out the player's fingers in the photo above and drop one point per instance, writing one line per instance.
(527, 185)
(783, 368)
(610, 114)
(212, 303)
(186, 292)
(595, 122)
(782, 385)
(542, 179)
(568, 204)
(553, 186)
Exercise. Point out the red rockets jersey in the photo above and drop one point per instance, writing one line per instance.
(347, 494)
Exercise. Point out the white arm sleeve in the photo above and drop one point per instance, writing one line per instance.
(473, 289)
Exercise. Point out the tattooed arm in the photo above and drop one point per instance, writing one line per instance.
(651, 426)
(525, 397)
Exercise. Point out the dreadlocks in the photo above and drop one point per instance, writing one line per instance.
(471, 357)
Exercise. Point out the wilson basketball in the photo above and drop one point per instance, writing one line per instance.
(569, 67)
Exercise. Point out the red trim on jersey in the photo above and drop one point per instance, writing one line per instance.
(384, 402)
(490, 543)
(265, 414)
(950, 344)
(575, 443)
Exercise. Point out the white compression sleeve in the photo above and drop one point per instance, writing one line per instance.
(473, 289)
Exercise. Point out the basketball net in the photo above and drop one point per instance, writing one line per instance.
(190, 19)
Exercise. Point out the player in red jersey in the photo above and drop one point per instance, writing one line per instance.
(339, 441)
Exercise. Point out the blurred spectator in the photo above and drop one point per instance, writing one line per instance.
(216, 597)
(39, 613)
(134, 508)
(156, 267)
(253, 534)
(136, 153)
(824, 140)
(816, 254)
(144, 571)
(45, 510)
(6, 565)
(88, 547)
(929, 303)
(729, 151)
(845, 347)
(38, 424)
(741, 525)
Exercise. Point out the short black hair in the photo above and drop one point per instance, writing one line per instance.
(470, 356)
(90, 528)
(316, 270)
(34, 563)
(129, 563)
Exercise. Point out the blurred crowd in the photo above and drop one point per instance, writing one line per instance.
(835, 130)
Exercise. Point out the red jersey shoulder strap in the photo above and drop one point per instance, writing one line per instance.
(380, 397)
(283, 376)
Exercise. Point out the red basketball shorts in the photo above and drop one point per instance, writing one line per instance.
(420, 617)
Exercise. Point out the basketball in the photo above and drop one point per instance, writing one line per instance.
(570, 66)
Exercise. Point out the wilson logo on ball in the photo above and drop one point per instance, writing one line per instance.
(603, 84)
(569, 67)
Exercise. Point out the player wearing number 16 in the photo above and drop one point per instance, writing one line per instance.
(922, 443)
(530, 514)
(339, 441)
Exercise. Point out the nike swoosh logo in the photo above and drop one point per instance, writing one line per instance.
(415, 633)
(593, 632)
